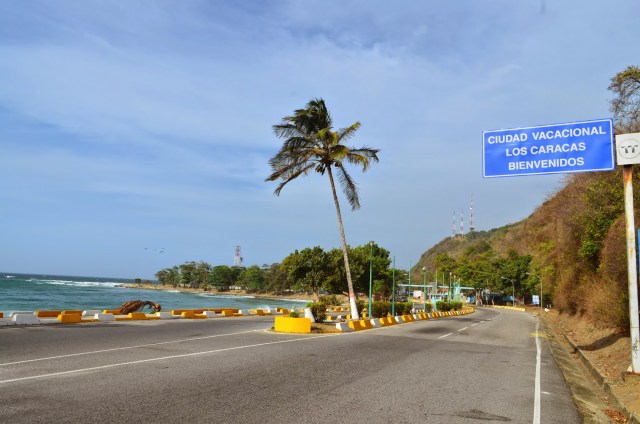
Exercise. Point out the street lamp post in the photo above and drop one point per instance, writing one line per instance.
(424, 290)
(370, 275)
(539, 279)
(409, 292)
(393, 289)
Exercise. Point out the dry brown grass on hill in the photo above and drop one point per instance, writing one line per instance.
(578, 244)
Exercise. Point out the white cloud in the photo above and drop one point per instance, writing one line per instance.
(151, 121)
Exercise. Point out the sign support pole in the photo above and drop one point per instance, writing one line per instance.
(632, 270)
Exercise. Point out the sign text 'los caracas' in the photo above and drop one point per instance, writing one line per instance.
(550, 149)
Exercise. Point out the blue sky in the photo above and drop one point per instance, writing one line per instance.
(131, 128)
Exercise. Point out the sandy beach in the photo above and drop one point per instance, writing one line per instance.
(268, 295)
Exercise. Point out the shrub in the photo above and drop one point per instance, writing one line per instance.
(294, 314)
(442, 306)
(330, 299)
(448, 306)
(403, 308)
(318, 310)
(380, 309)
(361, 305)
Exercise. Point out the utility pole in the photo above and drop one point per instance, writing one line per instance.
(628, 147)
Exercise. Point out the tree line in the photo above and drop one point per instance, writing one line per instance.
(308, 270)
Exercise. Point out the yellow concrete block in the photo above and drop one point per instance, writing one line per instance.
(292, 325)
(355, 325)
(72, 312)
(366, 323)
(69, 318)
(137, 315)
(188, 314)
(48, 314)
(363, 324)
(386, 321)
(111, 311)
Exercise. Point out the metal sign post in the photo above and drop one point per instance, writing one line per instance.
(628, 148)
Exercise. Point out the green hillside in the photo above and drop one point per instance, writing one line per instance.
(575, 242)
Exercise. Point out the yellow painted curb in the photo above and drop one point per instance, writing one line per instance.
(284, 324)
(47, 314)
(69, 318)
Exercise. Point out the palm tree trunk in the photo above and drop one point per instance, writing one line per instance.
(352, 295)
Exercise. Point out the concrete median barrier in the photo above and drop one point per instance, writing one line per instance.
(24, 318)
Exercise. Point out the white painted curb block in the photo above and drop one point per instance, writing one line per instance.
(375, 322)
(25, 319)
(344, 327)
(165, 315)
(211, 314)
(104, 317)
(398, 319)
(90, 313)
(309, 314)
(12, 313)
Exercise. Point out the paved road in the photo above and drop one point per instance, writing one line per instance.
(477, 368)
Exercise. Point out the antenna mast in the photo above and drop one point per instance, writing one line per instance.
(472, 228)
(237, 259)
(453, 225)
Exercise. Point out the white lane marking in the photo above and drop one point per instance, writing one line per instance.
(536, 401)
(125, 348)
(162, 358)
(475, 323)
(446, 335)
(462, 329)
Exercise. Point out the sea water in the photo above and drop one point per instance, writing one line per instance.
(26, 292)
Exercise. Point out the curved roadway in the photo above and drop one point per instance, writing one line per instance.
(488, 366)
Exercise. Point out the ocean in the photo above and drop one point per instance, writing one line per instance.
(26, 292)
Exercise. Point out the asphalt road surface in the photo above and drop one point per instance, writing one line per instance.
(488, 366)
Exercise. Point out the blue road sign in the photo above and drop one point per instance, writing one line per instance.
(550, 149)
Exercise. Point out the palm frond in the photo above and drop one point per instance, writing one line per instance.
(363, 157)
(348, 187)
(345, 134)
(289, 174)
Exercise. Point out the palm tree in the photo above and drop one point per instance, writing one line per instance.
(310, 144)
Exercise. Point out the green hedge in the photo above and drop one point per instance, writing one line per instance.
(448, 306)
(381, 309)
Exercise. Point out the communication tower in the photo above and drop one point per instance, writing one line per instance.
(461, 223)
(453, 225)
(237, 259)
(472, 228)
